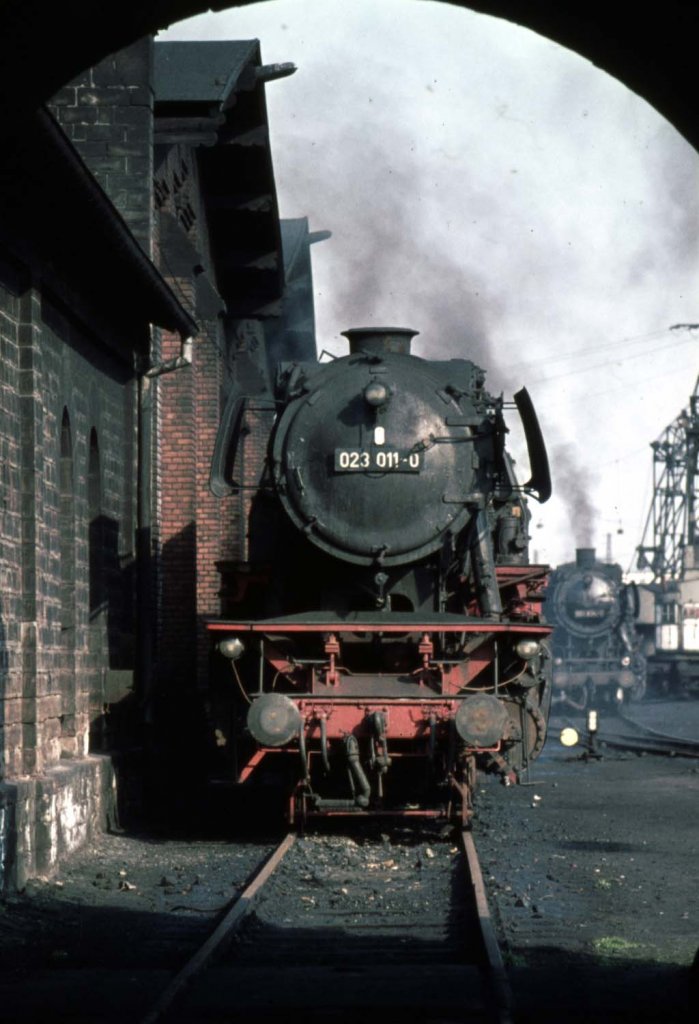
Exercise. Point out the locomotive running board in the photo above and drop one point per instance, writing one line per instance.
(362, 622)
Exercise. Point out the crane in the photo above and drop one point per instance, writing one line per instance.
(670, 534)
(670, 550)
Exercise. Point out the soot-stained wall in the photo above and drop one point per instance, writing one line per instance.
(78, 298)
(67, 529)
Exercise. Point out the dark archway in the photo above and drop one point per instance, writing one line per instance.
(650, 49)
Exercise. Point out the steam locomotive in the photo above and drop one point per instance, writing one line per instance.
(384, 639)
(595, 644)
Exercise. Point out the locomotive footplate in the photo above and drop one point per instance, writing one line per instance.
(376, 622)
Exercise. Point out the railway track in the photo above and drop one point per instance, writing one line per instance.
(641, 738)
(382, 932)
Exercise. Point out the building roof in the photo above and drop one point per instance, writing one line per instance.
(211, 96)
(201, 72)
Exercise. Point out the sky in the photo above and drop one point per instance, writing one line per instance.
(511, 202)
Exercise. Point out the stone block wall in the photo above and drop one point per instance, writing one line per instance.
(42, 819)
(67, 520)
(107, 113)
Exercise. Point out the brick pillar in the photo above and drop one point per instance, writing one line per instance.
(208, 371)
(190, 515)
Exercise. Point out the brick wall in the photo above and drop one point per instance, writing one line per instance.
(16, 719)
(189, 409)
(56, 406)
(177, 522)
(190, 517)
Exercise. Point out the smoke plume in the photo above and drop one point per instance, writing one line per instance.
(572, 486)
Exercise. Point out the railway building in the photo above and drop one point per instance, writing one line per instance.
(143, 272)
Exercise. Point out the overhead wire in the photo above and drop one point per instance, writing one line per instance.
(622, 385)
(609, 362)
(561, 357)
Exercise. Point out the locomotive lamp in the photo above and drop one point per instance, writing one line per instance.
(569, 736)
(376, 393)
(592, 726)
(528, 649)
(233, 648)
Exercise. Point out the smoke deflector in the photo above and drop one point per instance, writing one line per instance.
(540, 481)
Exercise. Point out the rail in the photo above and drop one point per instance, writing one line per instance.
(642, 739)
(222, 934)
(479, 990)
(497, 979)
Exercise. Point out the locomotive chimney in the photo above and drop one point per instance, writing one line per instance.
(380, 340)
(585, 558)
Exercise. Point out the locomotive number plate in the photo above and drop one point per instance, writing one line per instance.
(377, 460)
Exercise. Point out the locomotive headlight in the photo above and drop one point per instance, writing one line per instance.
(232, 648)
(376, 393)
(626, 661)
(527, 649)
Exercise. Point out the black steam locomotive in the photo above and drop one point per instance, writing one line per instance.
(385, 634)
(595, 644)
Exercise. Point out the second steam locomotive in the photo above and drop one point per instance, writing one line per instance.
(595, 645)
(393, 642)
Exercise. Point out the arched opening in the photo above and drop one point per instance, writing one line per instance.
(652, 51)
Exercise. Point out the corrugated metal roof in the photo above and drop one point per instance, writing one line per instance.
(200, 72)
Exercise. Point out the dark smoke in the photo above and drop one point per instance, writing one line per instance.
(572, 486)
(392, 267)
(393, 272)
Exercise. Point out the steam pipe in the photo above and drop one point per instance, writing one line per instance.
(302, 751)
(484, 567)
(382, 759)
(361, 798)
(324, 742)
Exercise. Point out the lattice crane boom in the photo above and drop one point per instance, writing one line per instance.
(671, 526)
